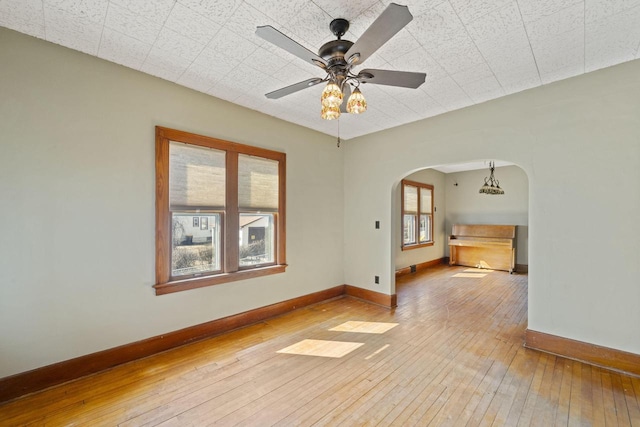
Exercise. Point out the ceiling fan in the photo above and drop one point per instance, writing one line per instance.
(338, 57)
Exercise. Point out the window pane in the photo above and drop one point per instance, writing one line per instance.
(256, 239)
(425, 228)
(410, 199)
(425, 200)
(195, 243)
(409, 229)
(257, 183)
(196, 177)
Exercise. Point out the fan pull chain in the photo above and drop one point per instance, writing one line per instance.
(338, 132)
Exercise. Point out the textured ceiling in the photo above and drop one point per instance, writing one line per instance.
(471, 50)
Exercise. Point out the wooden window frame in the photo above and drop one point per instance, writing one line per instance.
(231, 271)
(416, 225)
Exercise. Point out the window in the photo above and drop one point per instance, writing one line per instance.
(220, 212)
(417, 214)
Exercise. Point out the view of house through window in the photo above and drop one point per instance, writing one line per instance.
(195, 244)
(257, 201)
(256, 239)
(417, 214)
(219, 212)
(197, 188)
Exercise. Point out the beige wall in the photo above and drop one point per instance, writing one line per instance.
(78, 193)
(578, 142)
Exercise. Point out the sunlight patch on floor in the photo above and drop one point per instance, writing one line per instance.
(384, 347)
(322, 348)
(364, 327)
(471, 275)
(478, 270)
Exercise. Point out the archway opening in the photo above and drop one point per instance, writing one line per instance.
(456, 200)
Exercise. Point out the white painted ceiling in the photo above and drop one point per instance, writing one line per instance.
(471, 50)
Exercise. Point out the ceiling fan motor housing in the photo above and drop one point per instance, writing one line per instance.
(333, 51)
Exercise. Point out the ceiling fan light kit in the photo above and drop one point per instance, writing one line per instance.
(338, 57)
(356, 103)
(330, 112)
(331, 95)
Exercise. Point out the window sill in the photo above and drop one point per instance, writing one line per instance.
(416, 246)
(201, 282)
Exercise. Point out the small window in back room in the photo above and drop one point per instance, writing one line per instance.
(417, 214)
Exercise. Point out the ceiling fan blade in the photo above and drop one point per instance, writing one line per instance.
(392, 78)
(293, 88)
(274, 36)
(346, 93)
(388, 24)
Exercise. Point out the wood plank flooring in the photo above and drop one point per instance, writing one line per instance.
(454, 359)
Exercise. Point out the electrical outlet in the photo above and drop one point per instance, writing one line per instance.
(377, 225)
(377, 279)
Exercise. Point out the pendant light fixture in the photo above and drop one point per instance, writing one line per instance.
(491, 185)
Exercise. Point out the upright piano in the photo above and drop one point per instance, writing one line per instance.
(483, 246)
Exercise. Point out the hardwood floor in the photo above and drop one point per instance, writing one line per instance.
(455, 358)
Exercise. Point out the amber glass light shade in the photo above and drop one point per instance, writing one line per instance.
(330, 112)
(356, 103)
(331, 95)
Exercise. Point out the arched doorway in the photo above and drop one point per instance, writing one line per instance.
(457, 201)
